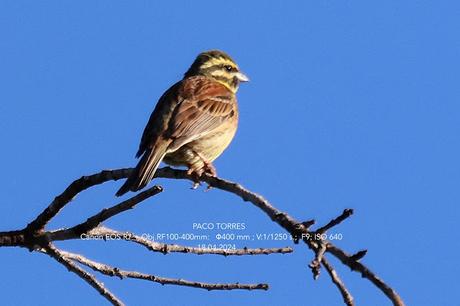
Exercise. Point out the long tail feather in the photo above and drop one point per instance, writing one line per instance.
(145, 169)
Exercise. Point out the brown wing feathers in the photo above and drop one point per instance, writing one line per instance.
(195, 118)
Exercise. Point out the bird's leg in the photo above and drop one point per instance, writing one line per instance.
(209, 169)
(205, 167)
(195, 175)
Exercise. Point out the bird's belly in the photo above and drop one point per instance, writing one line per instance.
(208, 148)
(211, 146)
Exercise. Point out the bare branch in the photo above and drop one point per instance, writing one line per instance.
(89, 278)
(107, 233)
(345, 214)
(288, 223)
(347, 298)
(104, 214)
(355, 265)
(112, 271)
(35, 230)
(71, 191)
(174, 248)
(358, 255)
(315, 265)
(12, 238)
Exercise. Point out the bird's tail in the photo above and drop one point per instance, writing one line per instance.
(145, 169)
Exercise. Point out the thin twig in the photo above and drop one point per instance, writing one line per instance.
(112, 271)
(358, 255)
(345, 214)
(347, 298)
(104, 214)
(59, 256)
(71, 191)
(164, 248)
(355, 265)
(315, 265)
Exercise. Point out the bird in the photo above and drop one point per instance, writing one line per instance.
(192, 123)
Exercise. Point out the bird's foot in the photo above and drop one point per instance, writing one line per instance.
(195, 175)
(209, 168)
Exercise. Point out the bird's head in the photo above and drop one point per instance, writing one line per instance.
(219, 66)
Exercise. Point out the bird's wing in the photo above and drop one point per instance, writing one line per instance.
(159, 119)
(210, 105)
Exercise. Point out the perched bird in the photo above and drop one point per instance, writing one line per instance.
(193, 121)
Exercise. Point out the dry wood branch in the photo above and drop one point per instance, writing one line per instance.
(12, 238)
(347, 298)
(288, 223)
(355, 265)
(104, 214)
(358, 255)
(89, 278)
(71, 191)
(316, 262)
(345, 214)
(105, 233)
(112, 271)
(175, 248)
(34, 235)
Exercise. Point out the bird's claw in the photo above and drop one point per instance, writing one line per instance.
(209, 169)
(196, 174)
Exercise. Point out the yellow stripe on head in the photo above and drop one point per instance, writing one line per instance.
(217, 65)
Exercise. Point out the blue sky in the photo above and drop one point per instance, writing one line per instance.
(351, 104)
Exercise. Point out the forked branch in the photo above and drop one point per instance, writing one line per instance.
(35, 237)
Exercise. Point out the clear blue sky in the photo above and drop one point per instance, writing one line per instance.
(351, 104)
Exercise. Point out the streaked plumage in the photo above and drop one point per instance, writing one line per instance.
(193, 121)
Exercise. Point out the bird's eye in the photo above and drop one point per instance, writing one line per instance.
(228, 68)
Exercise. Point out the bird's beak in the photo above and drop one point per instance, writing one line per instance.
(242, 77)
